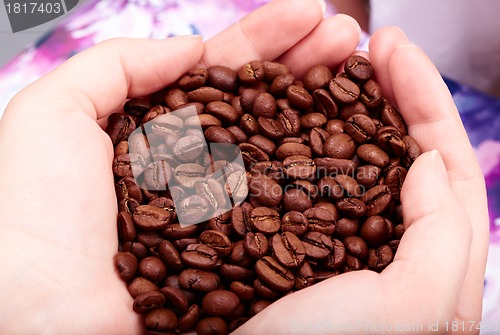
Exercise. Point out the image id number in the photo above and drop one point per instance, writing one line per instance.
(34, 7)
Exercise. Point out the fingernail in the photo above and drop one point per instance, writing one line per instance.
(323, 6)
(439, 167)
(187, 37)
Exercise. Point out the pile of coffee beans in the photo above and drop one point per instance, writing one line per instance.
(316, 194)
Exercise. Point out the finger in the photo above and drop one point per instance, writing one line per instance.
(99, 79)
(433, 120)
(264, 34)
(330, 43)
(382, 45)
(433, 255)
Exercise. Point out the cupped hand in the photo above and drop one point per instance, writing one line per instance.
(435, 283)
(57, 201)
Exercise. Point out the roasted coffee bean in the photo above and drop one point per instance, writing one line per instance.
(320, 220)
(121, 148)
(258, 306)
(280, 84)
(239, 256)
(296, 199)
(175, 299)
(126, 264)
(263, 291)
(312, 120)
(265, 220)
(337, 256)
(128, 165)
(356, 246)
(274, 275)
(390, 116)
(170, 256)
(220, 303)
(252, 72)
(270, 128)
(194, 208)
(344, 90)
(373, 155)
(273, 169)
(293, 149)
(360, 127)
(299, 97)
(137, 107)
(138, 249)
(317, 139)
(252, 154)
(394, 180)
(265, 190)
(377, 199)
(222, 111)
(150, 239)
(150, 218)
(189, 320)
(240, 219)
(222, 78)
(290, 121)
(217, 240)
(317, 77)
(358, 68)
(199, 256)
(346, 227)
(238, 133)
(199, 280)
(161, 319)
(329, 188)
(152, 268)
(193, 79)
(339, 146)
(294, 222)
(126, 188)
(265, 144)
(288, 249)
(367, 175)
(324, 103)
(304, 276)
(126, 228)
(379, 258)
(334, 166)
(175, 97)
(256, 244)
(352, 207)
(371, 94)
(120, 126)
(243, 291)
(317, 245)
(375, 231)
(188, 174)
(264, 105)
(412, 151)
(299, 167)
(233, 272)
(334, 126)
(211, 326)
(274, 69)
(175, 231)
(183, 243)
(146, 301)
(205, 95)
(389, 139)
(140, 285)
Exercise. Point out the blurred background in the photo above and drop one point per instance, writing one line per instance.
(461, 37)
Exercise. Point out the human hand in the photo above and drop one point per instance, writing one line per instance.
(58, 205)
(437, 275)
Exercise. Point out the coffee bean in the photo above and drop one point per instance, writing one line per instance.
(252, 72)
(317, 77)
(390, 116)
(299, 167)
(193, 209)
(265, 220)
(379, 258)
(222, 78)
(137, 107)
(293, 149)
(339, 146)
(274, 275)
(161, 319)
(344, 90)
(205, 95)
(352, 207)
(280, 84)
(394, 180)
(299, 97)
(360, 127)
(199, 280)
(258, 306)
(238, 133)
(151, 218)
(371, 94)
(358, 68)
(233, 272)
(356, 246)
(211, 326)
(290, 122)
(126, 264)
(217, 240)
(189, 320)
(317, 245)
(264, 105)
(320, 220)
(288, 249)
(175, 299)
(120, 126)
(266, 190)
(188, 174)
(270, 128)
(268, 146)
(220, 303)
(243, 291)
(146, 301)
(333, 166)
(204, 121)
(175, 231)
(412, 151)
(334, 126)
(324, 103)
(317, 139)
(170, 256)
(249, 125)
(294, 222)
(193, 79)
(346, 227)
(126, 188)
(126, 228)
(372, 154)
(296, 199)
(152, 268)
(377, 199)
(256, 244)
(337, 256)
(222, 111)
(367, 175)
(140, 285)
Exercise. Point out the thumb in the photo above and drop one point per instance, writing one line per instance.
(433, 255)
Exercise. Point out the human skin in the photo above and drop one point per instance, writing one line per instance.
(58, 206)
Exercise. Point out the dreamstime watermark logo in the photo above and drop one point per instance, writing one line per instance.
(25, 14)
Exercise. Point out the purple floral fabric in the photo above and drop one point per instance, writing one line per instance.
(97, 20)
